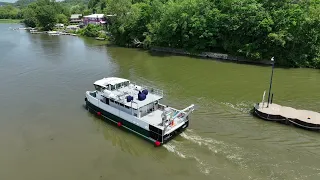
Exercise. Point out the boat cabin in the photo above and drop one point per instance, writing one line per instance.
(126, 96)
(111, 84)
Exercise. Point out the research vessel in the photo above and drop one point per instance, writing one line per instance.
(137, 108)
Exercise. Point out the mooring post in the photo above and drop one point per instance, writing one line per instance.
(272, 60)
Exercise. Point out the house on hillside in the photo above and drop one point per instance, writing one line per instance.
(75, 19)
(98, 19)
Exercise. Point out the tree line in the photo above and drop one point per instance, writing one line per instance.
(43, 13)
(255, 29)
(289, 30)
(8, 11)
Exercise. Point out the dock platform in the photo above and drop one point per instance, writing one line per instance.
(287, 115)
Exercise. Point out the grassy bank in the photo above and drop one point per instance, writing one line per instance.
(10, 20)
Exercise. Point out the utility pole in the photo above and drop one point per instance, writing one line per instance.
(272, 60)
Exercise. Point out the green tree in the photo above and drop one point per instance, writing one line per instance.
(92, 30)
(46, 16)
(29, 16)
(61, 18)
(255, 29)
(9, 12)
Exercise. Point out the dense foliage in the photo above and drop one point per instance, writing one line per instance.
(289, 30)
(256, 29)
(10, 12)
(90, 31)
(45, 14)
(77, 6)
(23, 3)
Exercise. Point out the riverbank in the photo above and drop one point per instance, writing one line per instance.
(17, 21)
(207, 55)
(82, 32)
(210, 55)
(64, 32)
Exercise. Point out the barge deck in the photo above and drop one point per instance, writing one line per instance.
(288, 115)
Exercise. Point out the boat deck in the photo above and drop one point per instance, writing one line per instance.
(305, 118)
(153, 118)
(124, 91)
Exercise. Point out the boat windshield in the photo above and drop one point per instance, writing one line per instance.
(98, 88)
(126, 83)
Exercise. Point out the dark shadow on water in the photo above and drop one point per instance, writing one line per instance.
(253, 63)
(107, 44)
(162, 54)
(133, 145)
(165, 54)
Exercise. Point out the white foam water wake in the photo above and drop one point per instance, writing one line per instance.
(231, 152)
(175, 148)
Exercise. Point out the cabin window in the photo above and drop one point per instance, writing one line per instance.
(112, 87)
(121, 105)
(98, 88)
(126, 83)
(118, 86)
(107, 100)
(135, 114)
(111, 100)
(127, 107)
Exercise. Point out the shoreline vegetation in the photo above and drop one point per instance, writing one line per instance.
(249, 31)
(15, 21)
(210, 55)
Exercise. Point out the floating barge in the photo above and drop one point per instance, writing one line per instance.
(137, 108)
(287, 115)
(273, 112)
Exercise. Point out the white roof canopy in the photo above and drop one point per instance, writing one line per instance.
(95, 16)
(126, 88)
(110, 80)
(120, 95)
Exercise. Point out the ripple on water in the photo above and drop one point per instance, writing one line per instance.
(181, 151)
(253, 161)
(205, 164)
(231, 152)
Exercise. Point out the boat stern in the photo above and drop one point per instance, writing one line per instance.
(178, 123)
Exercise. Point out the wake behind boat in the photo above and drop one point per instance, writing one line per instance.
(137, 108)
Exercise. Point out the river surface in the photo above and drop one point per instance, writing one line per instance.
(45, 133)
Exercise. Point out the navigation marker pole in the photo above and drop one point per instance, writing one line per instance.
(272, 60)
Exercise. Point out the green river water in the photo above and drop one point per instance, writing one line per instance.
(45, 133)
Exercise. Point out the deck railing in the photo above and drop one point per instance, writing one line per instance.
(151, 89)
